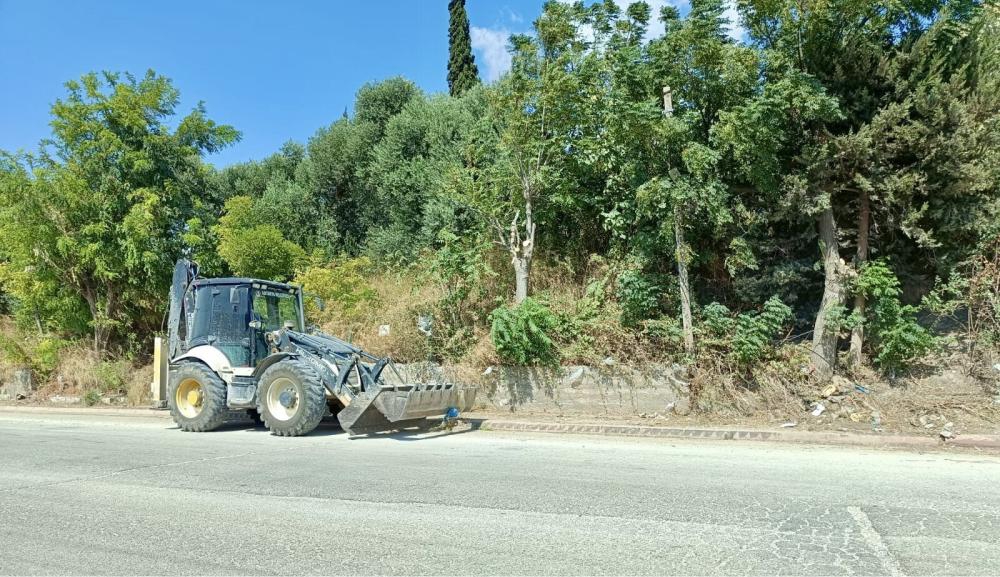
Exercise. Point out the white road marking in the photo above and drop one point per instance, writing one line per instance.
(874, 540)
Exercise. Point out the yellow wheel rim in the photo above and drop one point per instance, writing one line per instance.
(189, 398)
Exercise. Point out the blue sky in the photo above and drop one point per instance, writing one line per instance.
(276, 71)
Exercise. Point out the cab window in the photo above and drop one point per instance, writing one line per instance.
(275, 307)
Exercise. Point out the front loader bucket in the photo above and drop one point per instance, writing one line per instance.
(391, 407)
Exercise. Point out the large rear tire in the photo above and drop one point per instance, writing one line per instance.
(291, 398)
(196, 397)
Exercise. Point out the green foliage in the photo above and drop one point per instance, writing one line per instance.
(341, 286)
(91, 224)
(111, 376)
(581, 326)
(410, 169)
(754, 334)
(12, 351)
(748, 337)
(639, 297)
(462, 71)
(377, 102)
(521, 333)
(91, 397)
(460, 268)
(717, 320)
(252, 249)
(898, 337)
(46, 354)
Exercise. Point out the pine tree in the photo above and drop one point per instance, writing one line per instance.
(462, 71)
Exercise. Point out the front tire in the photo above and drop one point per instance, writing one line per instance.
(291, 398)
(196, 397)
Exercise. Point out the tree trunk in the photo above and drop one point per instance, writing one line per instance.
(682, 281)
(522, 248)
(858, 332)
(825, 337)
(522, 268)
(99, 317)
(681, 252)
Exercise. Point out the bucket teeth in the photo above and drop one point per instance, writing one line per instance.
(389, 407)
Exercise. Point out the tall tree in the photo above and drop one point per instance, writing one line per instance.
(845, 45)
(98, 215)
(514, 173)
(462, 71)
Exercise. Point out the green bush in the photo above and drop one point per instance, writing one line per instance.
(91, 397)
(754, 334)
(47, 354)
(749, 337)
(12, 352)
(520, 333)
(254, 249)
(895, 335)
(639, 297)
(341, 285)
(717, 320)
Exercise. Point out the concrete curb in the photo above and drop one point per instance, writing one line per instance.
(629, 430)
(983, 442)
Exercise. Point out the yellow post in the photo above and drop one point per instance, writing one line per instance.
(159, 375)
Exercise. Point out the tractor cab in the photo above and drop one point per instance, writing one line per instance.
(234, 315)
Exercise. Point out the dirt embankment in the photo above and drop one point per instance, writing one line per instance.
(952, 393)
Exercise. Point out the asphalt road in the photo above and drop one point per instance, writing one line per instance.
(116, 496)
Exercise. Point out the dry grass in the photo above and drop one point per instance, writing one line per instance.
(401, 300)
(68, 368)
(139, 391)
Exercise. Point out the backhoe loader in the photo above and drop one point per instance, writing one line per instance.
(241, 344)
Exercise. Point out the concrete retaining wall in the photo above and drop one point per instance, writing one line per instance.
(17, 385)
(573, 390)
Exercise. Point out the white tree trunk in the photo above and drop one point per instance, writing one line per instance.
(682, 281)
(522, 269)
(521, 245)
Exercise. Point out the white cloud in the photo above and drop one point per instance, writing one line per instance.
(736, 31)
(490, 45)
(512, 16)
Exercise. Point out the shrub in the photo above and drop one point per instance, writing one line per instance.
(111, 376)
(896, 336)
(717, 320)
(521, 333)
(639, 296)
(254, 249)
(12, 351)
(91, 397)
(47, 355)
(754, 334)
(460, 269)
(342, 286)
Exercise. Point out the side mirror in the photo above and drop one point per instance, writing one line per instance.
(256, 325)
(320, 304)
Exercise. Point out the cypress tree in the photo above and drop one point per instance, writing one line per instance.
(462, 71)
